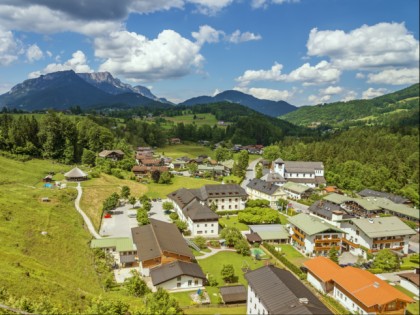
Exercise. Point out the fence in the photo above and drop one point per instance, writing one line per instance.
(213, 306)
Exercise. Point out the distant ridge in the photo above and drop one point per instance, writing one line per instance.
(267, 107)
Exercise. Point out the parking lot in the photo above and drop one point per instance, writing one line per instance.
(124, 219)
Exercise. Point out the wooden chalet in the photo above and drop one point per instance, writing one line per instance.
(114, 155)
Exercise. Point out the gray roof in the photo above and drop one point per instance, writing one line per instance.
(270, 231)
(198, 212)
(325, 209)
(175, 269)
(280, 292)
(263, 186)
(234, 293)
(318, 180)
(312, 225)
(295, 187)
(393, 207)
(302, 166)
(158, 236)
(227, 190)
(374, 193)
(105, 153)
(121, 244)
(273, 178)
(182, 197)
(383, 226)
(75, 173)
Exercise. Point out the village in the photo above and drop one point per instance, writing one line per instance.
(280, 239)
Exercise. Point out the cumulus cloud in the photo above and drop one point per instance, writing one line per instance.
(206, 34)
(332, 90)
(10, 48)
(318, 99)
(34, 53)
(210, 7)
(350, 95)
(256, 4)
(274, 74)
(378, 46)
(325, 94)
(77, 63)
(395, 76)
(371, 93)
(141, 59)
(360, 75)
(323, 72)
(238, 37)
(267, 94)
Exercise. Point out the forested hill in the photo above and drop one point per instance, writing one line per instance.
(377, 111)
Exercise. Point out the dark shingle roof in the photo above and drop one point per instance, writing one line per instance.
(182, 197)
(228, 190)
(262, 186)
(197, 212)
(234, 294)
(158, 236)
(175, 269)
(280, 292)
(374, 193)
(325, 209)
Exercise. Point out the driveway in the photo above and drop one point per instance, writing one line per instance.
(250, 173)
(299, 207)
(120, 224)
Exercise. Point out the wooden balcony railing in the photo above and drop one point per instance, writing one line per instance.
(296, 231)
(295, 238)
(350, 243)
(395, 240)
(326, 240)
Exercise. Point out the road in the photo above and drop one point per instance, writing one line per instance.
(250, 173)
(88, 223)
(299, 207)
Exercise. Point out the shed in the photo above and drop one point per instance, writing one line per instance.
(233, 294)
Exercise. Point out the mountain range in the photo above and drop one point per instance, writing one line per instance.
(63, 89)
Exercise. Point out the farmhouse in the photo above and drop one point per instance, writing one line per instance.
(113, 155)
(277, 291)
(358, 290)
(142, 170)
(307, 173)
(159, 243)
(259, 189)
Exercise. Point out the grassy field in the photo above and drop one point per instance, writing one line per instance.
(413, 308)
(236, 310)
(161, 190)
(292, 254)
(190, 150)
(201, 119)
(233, 222)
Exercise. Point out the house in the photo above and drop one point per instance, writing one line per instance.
(374, 234)
(394, 198)
(411, 281)
(329, 212)
(313, 236)
(216, 170)
(259, 189)
(296, 191)
(177, 164)
(140, 156)
(159, 243)
(201, 220)
(142, 170)
(48, 178)
(113, 155)
(178, 275)
(228, 165)
(174, 141)
(272, 233)
(144, 149)
(233, 294)
(358, 290)
(307, 173)
(121, 248)
(76, 174)
(277, 291)
(400, 210)
(273, 178)
(151, 162)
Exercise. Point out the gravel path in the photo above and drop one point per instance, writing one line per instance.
(88, 223)
(214, 251)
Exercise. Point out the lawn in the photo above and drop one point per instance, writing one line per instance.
(283, 219)
(233, 222)
(96, 190)
(292, 254)
(413, 308)
(407, 263)
(237, 310)
(161, 190)
(201, 119)
(189, 150)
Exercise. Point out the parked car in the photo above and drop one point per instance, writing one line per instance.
(132, 215)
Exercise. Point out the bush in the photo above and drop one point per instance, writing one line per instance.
(258, 203)
(375, 270)
(214, 243)
(228, 212)
(415, 258)
(212, 281)
(200, 242)
(403, 267)
(173, 216)
(293, 268)
(259, 216)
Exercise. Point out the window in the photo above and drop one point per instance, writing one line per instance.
(198, 225)
(236, 206)
(178, 278)
(230, 207)
(211, 231)
(196, 282)
(178, 284)
(212, 224)
(205, 225)
(230, 200)
(189, 283)
(223, 200)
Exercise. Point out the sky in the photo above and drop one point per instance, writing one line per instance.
(304, 52)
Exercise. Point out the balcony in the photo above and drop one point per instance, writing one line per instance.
(374, 250)
(296, 231)
(326, 240)
(391, 240)
(348, 242)
(299, 241)
(323, 248)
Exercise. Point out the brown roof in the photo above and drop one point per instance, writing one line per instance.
(175, 269)
(253, 237)
(412, 277)
(150, 161)
(145, 169)
(234, 293)
(105, 153)
(158, 236)
(144, 155)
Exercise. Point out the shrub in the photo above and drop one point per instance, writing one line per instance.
(293, 268)
(212, 281)
(200, 242)
(415, 258)
(375, 270)
(228, 212)
(173, 216)
(214, 243)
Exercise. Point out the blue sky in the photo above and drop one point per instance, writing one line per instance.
(302, 51)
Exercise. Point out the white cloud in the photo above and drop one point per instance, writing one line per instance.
(377, 46)
(371, 93)
(5, 87)
(360, 75)
(264, 3)
(140, 59)
(10, 48)
(267, 94)
(238, 37)
(77, 63)
(351, 95)
(206, 34)
(395, 76)
(216, 91)
(34, 53)
(318, 99)
(210, 7)
(331, 90)
(321, 73)
(49, 53)
(274, 74)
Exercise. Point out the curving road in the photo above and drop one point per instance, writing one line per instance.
(88, 223)
(250, 173)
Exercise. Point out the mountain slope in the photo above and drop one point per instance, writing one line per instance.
(267, 107)
(60, 90)
(358, 112)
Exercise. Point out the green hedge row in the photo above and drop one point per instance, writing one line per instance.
(285, 261)
(228, 212)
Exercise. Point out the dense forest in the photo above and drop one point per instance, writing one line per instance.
(376, 111)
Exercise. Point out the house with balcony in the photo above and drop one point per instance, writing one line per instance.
(357, 207)
(121, 249)
(301, 172)
(314, 236)
(113, 155)
(259, 189)
(359, 291)
(296, 191)
(374, 234)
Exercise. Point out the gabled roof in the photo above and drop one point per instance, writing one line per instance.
(175, 269)
(366, 204)
(182, 197)
(383, 226)
(121, 244)
(198, 212)
(373, 193)
(226, 190)
(273, 178)
(325, 209)
(105, 153)
(302, 166)
(158, 236)
(270, 231)
(322, 267)
(75, 173)
(388, 205)
(295, 187)
(412, 277)
(233, 293)
(280, 292)
(263, 186)
(312, 225)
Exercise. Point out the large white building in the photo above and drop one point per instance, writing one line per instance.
(259, 189)
(307, 173)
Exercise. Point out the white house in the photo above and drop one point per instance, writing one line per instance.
(375, 234)
(411, 281)
(259, 189)
(178, 275)
(296, 191)
(307, 173)
(121, 248)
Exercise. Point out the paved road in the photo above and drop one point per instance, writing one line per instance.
(299, 207)
(88, 223)
(250, 173)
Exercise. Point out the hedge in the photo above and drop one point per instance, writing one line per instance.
(376, 270)
(285, 261)
(228, 212)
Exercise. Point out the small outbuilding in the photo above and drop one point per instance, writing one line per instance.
(233, 294)
(76, 174)
(48, 178)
